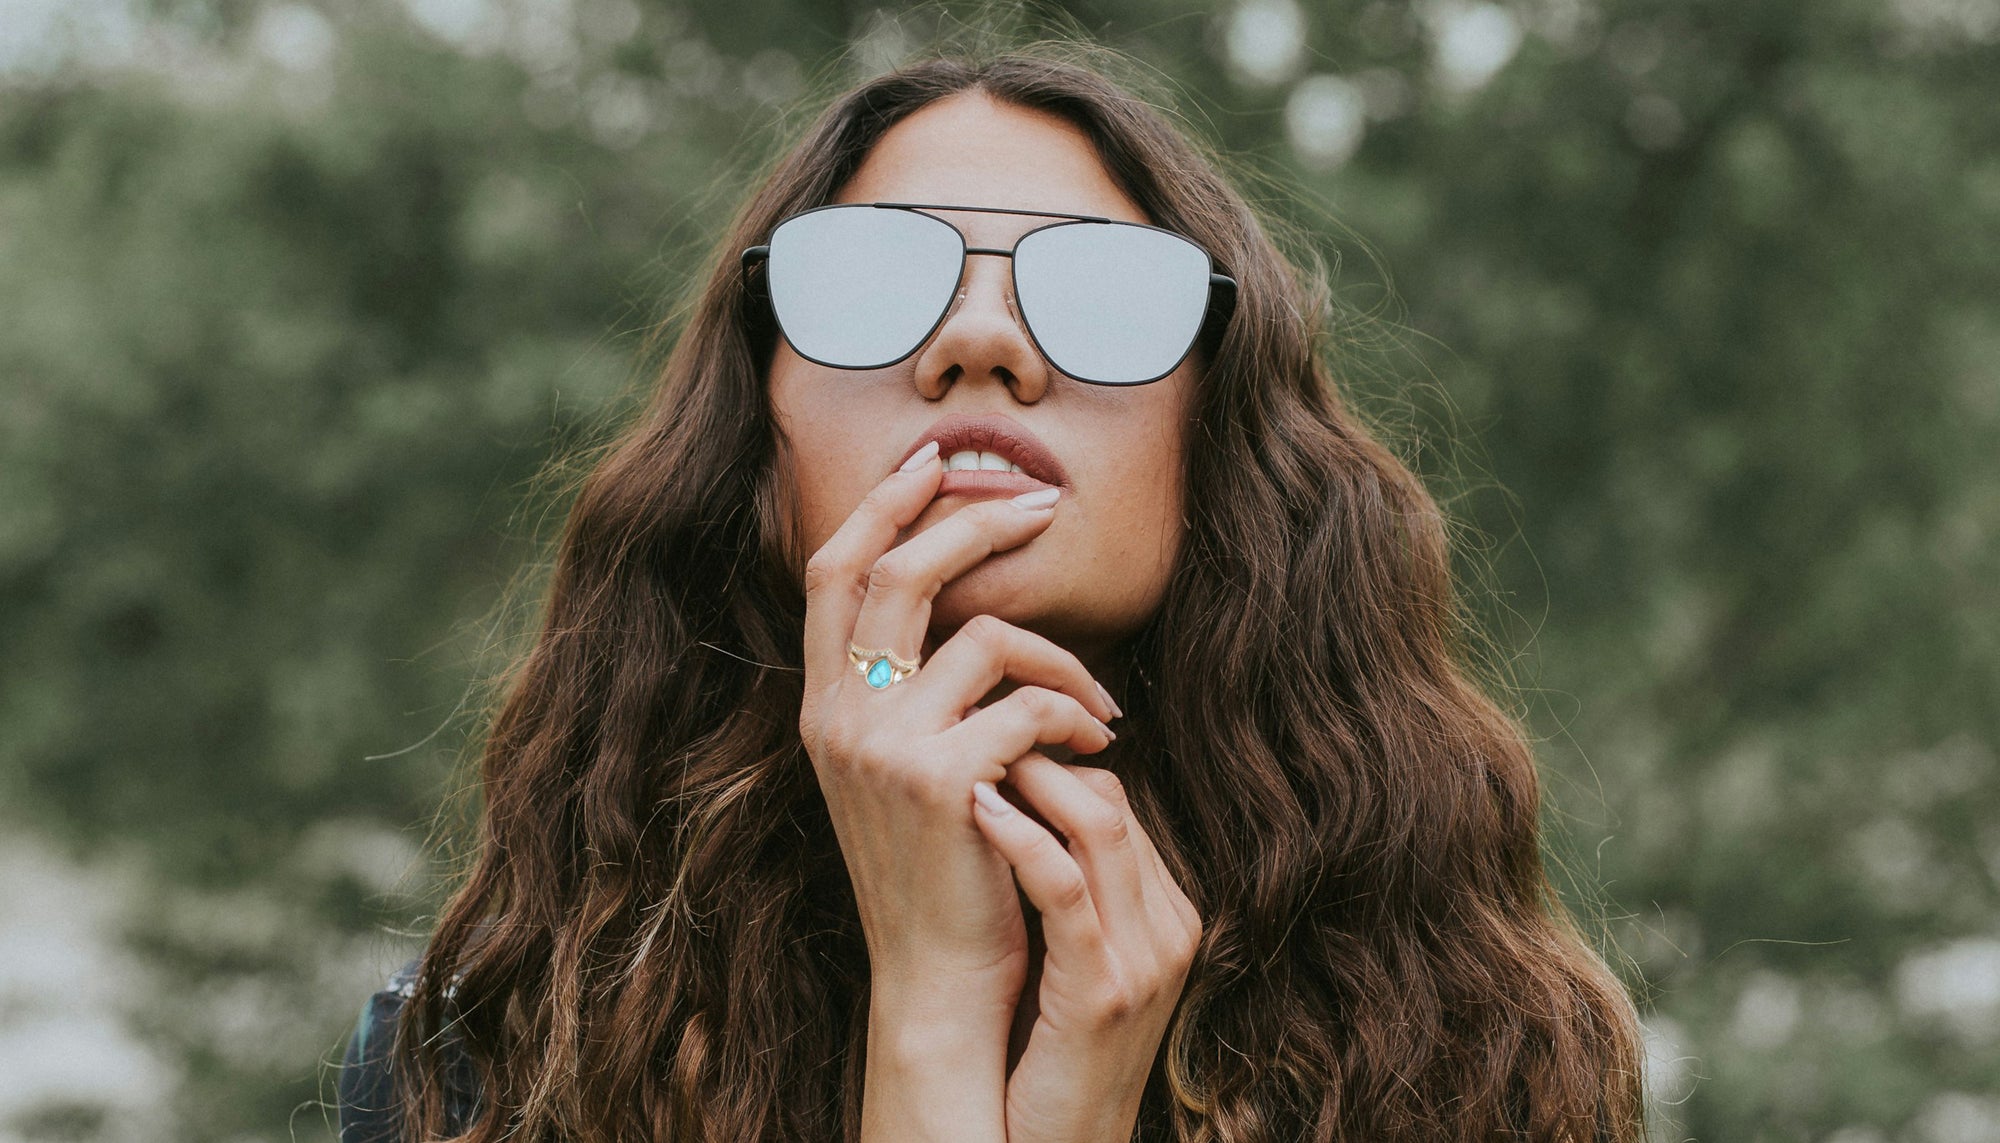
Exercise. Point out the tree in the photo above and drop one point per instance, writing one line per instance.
(1688, 311)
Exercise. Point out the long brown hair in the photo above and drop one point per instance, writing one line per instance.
(658, 939)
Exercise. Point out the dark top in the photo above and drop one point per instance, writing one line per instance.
(368, 1109)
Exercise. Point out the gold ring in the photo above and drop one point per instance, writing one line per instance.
(880, 668)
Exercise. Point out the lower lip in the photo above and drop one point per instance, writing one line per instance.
(980, 483)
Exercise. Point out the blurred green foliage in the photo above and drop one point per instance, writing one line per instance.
(1693, 310)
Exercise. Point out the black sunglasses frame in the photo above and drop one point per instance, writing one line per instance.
(1221, 287)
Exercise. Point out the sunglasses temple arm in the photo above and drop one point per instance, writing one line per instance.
(1221, 303)
(749, 261)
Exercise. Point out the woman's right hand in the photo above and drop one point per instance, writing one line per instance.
(937, 903)
(947, 942)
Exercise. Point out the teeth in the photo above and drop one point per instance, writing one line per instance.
(969, 460)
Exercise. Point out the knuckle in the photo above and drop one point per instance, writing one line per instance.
(1105, 824)
(902, 780)
(997, 512)
(890, 575)
(1119, 1000)
(839, 742)
(826, 570)
(915, 784)
(926, 787)
(1191, 932)
(988, 631)
(1071, 891)
(1191, 946)
(1103, 781)
(1041, 702)
(1120, 1007)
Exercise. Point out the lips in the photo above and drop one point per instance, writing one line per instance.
(998, 435)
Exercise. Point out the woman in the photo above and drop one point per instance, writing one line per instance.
(929, 495)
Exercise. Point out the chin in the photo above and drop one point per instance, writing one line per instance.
(1017, 593)
(1083, 627)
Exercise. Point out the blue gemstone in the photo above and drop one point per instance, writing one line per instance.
(880, 674)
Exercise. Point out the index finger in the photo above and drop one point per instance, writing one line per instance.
(1104, 836)
(837, 575)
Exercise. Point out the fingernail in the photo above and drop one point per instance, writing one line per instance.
(1107, 730)
(1040, 498)
(921, 457)
(989, 799)
(1110, 702)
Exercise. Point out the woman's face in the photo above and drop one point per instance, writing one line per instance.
(1100, 569)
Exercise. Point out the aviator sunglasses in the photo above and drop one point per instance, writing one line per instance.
(864, 285)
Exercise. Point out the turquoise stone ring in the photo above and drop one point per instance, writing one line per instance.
(881, 668)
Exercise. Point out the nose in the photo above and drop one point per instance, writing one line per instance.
(983, 338)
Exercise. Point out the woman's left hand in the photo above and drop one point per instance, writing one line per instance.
(1120, 938)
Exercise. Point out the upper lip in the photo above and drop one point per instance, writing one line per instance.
(996, 434)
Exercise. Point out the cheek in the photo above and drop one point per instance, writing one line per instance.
(1168, 506)
(1163, 460)
(816, 469)
(1138, 527)
(824, 493)
(1156, 537)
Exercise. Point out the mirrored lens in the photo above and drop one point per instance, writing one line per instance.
(1111, 302)
(860, 287)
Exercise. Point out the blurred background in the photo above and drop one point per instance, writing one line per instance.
(1690, 310)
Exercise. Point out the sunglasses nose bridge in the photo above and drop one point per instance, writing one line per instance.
(1002, 269)
(977, 339)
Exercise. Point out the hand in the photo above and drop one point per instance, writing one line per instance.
(947, 943)
(1121, 937)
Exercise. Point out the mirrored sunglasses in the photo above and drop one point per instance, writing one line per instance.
(864, 285)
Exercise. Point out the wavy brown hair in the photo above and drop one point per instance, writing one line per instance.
(658, 940)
